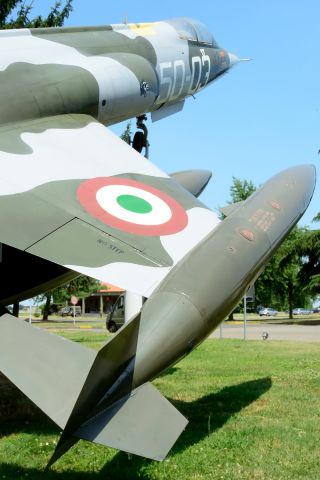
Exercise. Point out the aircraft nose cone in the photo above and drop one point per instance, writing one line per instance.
(293, 188)
(233, 59)
(306, 180)
(304, 176)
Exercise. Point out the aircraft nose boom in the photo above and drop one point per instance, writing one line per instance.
(234, 59)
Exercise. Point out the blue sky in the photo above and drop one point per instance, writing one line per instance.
(260, 118)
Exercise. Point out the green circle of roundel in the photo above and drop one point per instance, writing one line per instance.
(134, 204)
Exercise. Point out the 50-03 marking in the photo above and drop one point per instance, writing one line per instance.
(174, 79)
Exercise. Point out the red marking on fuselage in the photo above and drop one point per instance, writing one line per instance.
(275, 205)
(247, 234)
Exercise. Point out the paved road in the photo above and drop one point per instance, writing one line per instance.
(299, 333)
(302, 333)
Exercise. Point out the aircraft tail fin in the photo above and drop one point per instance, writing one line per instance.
(144, 423)
(108, 380)
(89, 394)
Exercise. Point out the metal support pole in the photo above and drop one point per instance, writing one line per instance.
(101, 306)
(30, 310)
(245, 318)
(221, 331)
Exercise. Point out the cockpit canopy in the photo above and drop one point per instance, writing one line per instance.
(193, 30)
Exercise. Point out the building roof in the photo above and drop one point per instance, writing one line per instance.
(109, 288)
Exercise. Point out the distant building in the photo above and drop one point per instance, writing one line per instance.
(102, 301)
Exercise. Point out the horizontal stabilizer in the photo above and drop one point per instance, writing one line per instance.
(144, 424)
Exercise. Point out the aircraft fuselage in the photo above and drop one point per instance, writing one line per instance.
(112, 73)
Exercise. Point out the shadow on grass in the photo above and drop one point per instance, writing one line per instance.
(209, 413)
(169, 371)
(127, 470)
(206, 415)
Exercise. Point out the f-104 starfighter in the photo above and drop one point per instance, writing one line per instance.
(75, 199)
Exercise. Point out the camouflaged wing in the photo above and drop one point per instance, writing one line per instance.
(73, 193)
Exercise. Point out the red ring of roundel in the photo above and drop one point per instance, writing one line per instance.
(86, 194)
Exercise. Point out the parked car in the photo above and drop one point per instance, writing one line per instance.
(316, 310)
(115, 318)
(301, 311)
(55, 308)
(267, 312)
(68, 311)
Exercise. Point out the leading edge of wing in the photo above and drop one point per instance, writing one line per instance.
(86, 200)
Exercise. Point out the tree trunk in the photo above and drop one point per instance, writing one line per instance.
(46, 308)
(290, 299)
(101, 306)
(230, 317)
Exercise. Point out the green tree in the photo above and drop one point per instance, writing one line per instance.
(16, 14)
(281, 284)
(241, 189)
(126, 135)
(81, 287)
(309, 249)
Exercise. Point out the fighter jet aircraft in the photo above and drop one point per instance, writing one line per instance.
(74, 198)
(63, 83)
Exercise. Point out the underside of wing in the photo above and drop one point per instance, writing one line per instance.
(73, 193)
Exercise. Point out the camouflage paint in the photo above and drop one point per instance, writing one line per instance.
(213, 277)
(107, 400)
(45, 217)
(111, 73)
(64, 176)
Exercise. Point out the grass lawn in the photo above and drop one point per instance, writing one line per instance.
(253, 407)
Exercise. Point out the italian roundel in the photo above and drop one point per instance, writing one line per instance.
(132, 206)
